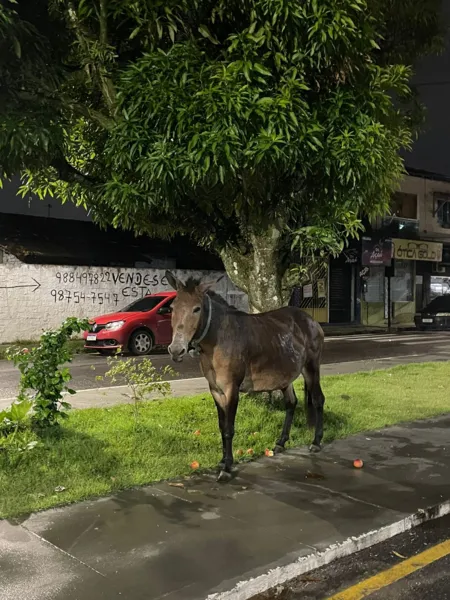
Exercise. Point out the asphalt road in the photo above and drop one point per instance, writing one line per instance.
(385, 562)
(432, 346)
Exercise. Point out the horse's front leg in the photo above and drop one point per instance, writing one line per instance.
(220, 415)
(226, 402)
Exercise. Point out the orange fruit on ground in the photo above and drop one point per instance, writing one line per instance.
(250, 451)
(194, 464)
(268, 452)
(197, 432)
(240, 452)
(358, 463)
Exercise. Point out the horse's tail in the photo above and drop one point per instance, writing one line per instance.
(309, 408)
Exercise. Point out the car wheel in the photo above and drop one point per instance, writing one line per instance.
(141, 342)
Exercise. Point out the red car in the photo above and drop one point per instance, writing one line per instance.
(139, 327)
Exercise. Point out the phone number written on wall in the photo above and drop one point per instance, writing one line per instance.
(134, 286)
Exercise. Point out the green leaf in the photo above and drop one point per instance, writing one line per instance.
(203, 29)
(135, 32)
(261, 69)
(20, 410)
(17, 47)
(293, 118)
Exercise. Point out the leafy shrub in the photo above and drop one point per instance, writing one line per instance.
(141, 377)
(44, 372)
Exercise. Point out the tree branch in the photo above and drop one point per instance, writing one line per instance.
(68, 173)
(85, 39)
(100, 118)
(103, 18)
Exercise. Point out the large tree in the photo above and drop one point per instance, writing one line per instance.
(254, 126)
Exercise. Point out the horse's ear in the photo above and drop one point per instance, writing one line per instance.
(173, 281)
(206, 285)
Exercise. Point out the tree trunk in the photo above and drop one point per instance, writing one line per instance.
(259, 273)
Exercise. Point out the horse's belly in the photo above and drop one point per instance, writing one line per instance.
(268, 381)
(272, 371)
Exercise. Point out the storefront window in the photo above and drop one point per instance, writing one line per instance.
(402, 284)
(375, 285)
(439, 286)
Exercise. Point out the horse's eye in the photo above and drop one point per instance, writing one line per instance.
(196, 309)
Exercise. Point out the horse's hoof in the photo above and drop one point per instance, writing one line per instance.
(221, 466)
(224, 476)
(314, 448)
(278, 449)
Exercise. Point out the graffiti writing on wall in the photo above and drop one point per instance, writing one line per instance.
(142, 280)
(109, 286)
(27, 292)
(77, 297)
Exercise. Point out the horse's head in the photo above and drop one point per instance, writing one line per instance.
(191, 314)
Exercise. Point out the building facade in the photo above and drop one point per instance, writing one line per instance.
(402, 261)
(51, 269)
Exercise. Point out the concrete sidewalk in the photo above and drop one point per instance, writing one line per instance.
(279, 518)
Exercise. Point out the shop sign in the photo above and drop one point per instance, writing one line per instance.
(417, 250)
(321, 289)
(364, 273)
(351, 256)
(376, 252)
(308, 291)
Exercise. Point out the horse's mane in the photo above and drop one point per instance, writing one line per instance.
(192, 283)
(221, 300)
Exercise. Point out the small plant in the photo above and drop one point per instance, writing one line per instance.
(14, 440)
(141, 377)
(15, 417)
(44, 376)
(14, 446)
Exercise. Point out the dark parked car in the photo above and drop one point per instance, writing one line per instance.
(434, 316)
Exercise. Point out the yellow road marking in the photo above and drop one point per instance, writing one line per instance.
(382, 580)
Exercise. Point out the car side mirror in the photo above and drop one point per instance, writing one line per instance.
(164, 310)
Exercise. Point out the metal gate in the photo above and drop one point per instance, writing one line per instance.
(312, 296)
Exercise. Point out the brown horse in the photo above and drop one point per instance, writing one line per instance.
(248, 353)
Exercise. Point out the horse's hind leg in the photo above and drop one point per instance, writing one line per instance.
(290, 402)
(311, 374)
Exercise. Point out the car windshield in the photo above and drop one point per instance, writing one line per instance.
(441, 303)
(144, 304)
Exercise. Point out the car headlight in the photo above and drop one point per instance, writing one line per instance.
(114, 325)
(442, 314)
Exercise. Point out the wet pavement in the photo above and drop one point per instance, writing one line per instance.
(190, 539)
(430, 581)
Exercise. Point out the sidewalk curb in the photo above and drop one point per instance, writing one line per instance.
(246, 590)
(329, 331)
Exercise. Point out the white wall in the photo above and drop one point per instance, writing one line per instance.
(38, 297)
